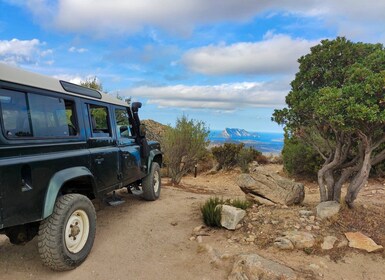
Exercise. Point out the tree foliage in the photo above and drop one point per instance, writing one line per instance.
(184, 146)
(336, 104)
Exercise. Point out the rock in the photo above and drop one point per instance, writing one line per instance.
(327, 209)
(199, 239)
(305, 213)
(253, 266)
(250, 238)
(283, 243)
(360, 241)
(328, 242)
(300, 239)
(272, 187)
(198, 228)
(231, 216)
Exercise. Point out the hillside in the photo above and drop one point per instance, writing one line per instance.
(155, 130)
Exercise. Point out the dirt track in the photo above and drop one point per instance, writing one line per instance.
(136, 240)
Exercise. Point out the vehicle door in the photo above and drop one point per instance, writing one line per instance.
(130, 161)
(102, 146)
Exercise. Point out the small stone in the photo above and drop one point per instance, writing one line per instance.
(198, 228)
(308, 228)
(250, 226)
(312, 219)
(327, 209)
(274, 222)
(302, 219)
(328, 242)
(174, 224)
(251, 238)
(297, 226)
(300, 239)
(314, 266)
(238, 226)
(283, 243)
(343, 243)
(231, 216)
(360, 241)
(316, 227)
(305, 213)
(192, 238)
(199, 239)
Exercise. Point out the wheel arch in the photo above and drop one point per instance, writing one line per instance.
(155, 156)
(61, 183)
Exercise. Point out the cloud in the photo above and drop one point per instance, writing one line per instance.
(276, 54)
(219, 97)
(78, 50)
(103, 17)
(18, 52)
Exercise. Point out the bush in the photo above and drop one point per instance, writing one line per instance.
(299, 158)
(184, 146)
(239, 203)
(227, 155)
(246, 156)
(211, 213)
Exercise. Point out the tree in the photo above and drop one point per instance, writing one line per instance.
(184, 146)
(336, 104)
(93, 83)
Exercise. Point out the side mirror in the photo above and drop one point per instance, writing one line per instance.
(142, 130)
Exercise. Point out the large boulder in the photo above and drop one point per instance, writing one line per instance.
(269, 188)
(253, 266)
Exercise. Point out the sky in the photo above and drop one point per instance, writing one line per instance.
(228, 63)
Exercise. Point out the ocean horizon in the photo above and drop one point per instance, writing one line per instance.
(265, 142)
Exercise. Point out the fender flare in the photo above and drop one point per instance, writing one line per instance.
(153, 154)
(57, 182)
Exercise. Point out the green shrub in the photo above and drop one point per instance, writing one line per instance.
(240, 203)
(299, 158)
(245, 157)
(227, 154)
(211, 213)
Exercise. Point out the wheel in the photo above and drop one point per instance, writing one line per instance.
(151, 184)
(66, 237)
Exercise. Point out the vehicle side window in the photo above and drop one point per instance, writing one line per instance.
(34, 115)
(99, 120)
(123, 124)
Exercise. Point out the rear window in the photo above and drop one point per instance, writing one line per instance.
(35, 115)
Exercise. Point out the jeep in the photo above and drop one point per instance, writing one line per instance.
(61, 146)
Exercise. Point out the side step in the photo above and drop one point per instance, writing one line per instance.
(114, 200)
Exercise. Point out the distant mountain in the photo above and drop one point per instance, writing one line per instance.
(237, 133)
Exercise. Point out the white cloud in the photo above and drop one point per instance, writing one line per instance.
(276, 54)
(78, 50)
(220, 97)
(105, 17)
(17, 51)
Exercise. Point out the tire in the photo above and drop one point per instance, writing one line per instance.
(151, 184)
(66, 237)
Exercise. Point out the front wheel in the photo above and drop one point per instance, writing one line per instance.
(151, 184)
(66, 237)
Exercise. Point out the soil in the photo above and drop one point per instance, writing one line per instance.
(165, 239)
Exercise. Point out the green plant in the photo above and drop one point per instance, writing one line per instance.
(240, 203)
(211, 213)
(227, 154)
(184, 146)
(246, 156)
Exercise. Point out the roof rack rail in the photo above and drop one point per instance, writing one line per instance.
(70, 87)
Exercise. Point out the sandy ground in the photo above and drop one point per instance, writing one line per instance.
(151, 240)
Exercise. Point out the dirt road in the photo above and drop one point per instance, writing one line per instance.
(136, 240)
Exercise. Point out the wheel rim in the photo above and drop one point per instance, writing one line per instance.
(156, 181)
(77, 230)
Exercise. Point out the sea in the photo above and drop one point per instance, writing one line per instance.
(265, 142)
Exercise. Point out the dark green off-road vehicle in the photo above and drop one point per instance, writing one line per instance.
(62, 145)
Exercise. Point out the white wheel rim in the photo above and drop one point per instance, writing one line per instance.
(76, 231)
(156, 181)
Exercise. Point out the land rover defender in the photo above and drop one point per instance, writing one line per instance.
(61, 146)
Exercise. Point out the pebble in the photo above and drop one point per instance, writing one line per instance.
(199, 239)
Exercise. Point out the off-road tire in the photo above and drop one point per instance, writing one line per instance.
(151, 184)
(54, 241)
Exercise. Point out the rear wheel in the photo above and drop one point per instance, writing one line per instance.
(66, 237)
(151, 184)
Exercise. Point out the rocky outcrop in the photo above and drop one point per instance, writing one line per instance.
(231, 216)
(327, 209)
(268, 188)
(253, 266)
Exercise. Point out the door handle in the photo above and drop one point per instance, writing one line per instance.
(99, 160)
